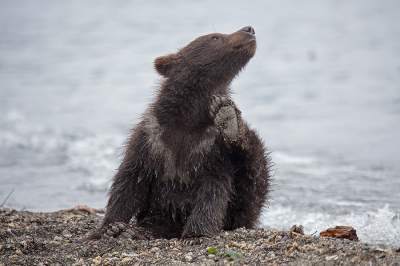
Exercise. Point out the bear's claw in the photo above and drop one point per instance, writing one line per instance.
(217, 102)
(118, 230)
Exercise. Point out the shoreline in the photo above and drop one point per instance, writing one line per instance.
(34, 238)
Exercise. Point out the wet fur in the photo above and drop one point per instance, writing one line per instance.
(180, 177)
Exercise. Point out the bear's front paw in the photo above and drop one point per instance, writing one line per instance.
(226, 117)
(116, 230)
(110, 230)
(227, 122)
(196, 227)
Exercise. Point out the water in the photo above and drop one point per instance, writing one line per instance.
(323, 91)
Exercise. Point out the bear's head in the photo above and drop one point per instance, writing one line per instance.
(214, 57)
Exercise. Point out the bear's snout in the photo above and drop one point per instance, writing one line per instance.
(249, 30)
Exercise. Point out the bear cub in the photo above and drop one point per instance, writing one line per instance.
(192, 166)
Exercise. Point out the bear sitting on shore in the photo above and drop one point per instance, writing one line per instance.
(192, 166)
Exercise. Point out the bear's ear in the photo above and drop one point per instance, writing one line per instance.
(164, 64)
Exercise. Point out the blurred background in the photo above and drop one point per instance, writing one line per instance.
(323, 91)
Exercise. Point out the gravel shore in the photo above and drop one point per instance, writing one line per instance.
(28, 238)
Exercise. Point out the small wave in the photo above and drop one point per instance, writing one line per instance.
(97, 158)
(90, 158)
(379, 226)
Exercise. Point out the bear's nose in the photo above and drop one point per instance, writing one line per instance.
(248, 29)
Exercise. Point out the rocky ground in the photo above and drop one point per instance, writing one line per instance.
(28, 238)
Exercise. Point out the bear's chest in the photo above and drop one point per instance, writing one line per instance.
(179, 153)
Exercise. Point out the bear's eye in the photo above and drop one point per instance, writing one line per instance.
(215, 37)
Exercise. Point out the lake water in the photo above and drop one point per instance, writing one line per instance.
(323, 91)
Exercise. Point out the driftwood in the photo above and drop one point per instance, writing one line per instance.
(84, 208)
(347, 232)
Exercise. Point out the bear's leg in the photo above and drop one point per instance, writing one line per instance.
(250, 162)
(128, 196)
(130, 187)
(251, 182)
(208, 213)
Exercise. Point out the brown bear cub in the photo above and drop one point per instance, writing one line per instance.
(192, 166)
